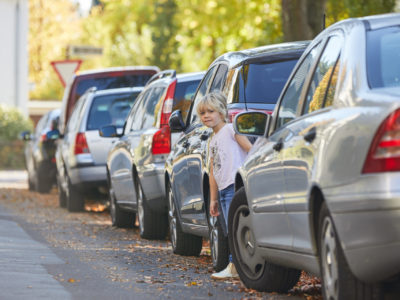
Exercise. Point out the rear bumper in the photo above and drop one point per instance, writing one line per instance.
(152, 180)
(368, 225)
(95, 175)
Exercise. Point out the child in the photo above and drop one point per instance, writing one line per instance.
(227, 153)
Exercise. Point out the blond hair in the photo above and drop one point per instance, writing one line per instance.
(216, 101)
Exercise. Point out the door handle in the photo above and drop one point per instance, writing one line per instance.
(278, 146)
(185, 144)
(204, 136)
(310, 135)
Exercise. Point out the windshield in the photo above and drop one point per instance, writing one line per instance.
(383, 57)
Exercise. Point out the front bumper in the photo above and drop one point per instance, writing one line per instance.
(366, 215)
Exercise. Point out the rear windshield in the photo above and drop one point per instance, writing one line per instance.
(383, 57)
(108, 82)
(110, 110)
(184, 93)
(262, 83)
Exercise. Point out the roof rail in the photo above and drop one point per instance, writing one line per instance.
(163, 74)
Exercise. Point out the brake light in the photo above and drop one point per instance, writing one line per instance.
(384, 152)
(162, 141)
(167, 105)
(81, 145)
(43, 137)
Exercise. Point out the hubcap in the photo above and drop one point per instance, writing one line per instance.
(329, 260)
(245, 244)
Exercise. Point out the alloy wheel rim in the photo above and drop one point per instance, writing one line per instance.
(140, 209)
(172, 218)
(329, 260)
(214, 239)
(252, 264)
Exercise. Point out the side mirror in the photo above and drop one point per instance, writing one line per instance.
(26, 135)
(252, 123)
(109, 131)
(53, 134)
(176, 121)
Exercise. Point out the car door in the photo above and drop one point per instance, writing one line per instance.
(120, 157)
(305, 134)
(265, 179)
(185, 190)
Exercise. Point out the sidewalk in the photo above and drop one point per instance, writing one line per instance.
(13, 179)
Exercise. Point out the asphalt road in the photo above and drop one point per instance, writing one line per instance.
(48, 253)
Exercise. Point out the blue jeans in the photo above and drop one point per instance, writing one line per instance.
(225, 199)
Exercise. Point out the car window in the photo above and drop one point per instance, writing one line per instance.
(41, 125)
(383, 58)
(73, 121)
(322, 75)
(184, 93)
(110, 109)
(290, 100)
(219, 78)
(151, 108)
(200, 93)
(262, 82)
(138, 111)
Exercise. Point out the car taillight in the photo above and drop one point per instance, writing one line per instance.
(43, 137)
(384, 152)
(81, 145)
(167, 105)
(161, 141)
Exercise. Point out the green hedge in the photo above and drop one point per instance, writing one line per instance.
(12, 123)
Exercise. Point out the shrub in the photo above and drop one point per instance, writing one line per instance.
(12, 123)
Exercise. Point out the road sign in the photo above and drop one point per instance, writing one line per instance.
(83, 51)
(66, 68)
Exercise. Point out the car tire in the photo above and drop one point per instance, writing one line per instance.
(152, 225)
(31, 184)
(254, 271)
(219, 244)
(75, 199)
(182, 243)
(42, 183)
(119, 217)
(62, 196)
(338, 282)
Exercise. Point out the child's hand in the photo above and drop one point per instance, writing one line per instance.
(214, 209)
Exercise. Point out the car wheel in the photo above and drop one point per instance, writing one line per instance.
(338, 282)
(119, 217)
(254, 271)
(42, 183)
(75, 199)
(182, 243)
(152, 225)
(31, 183)
(218, 244)
(62, 197)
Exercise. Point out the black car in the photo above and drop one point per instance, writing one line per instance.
(251, 79)
(39, 153)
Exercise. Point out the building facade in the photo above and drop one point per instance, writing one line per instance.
(14, 84)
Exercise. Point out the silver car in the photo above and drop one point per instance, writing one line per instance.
(81, 153)
(319, 190)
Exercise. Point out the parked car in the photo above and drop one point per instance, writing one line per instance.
(39, 153)
(238, 75)
(135, 163)
(319, 190)
(108, 78)
(81, 153)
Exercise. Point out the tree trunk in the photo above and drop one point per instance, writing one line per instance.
(302, 19)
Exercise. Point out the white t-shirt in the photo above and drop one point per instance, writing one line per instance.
(227, 156)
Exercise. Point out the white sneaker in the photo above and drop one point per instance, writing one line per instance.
(228, 273)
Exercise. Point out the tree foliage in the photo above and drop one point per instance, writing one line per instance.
(52, 26)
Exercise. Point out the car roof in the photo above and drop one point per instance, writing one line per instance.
(182, 77)
(117, 91)
(118, 69)
(273, 52)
